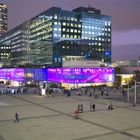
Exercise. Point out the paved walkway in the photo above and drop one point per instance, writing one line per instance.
(43, 118)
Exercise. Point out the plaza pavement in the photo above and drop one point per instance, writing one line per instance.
(52, 118)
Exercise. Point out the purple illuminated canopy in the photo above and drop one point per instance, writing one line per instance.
(64, 75)
(81, 75)
(16, 74)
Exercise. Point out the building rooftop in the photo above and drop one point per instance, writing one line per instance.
(87, 9)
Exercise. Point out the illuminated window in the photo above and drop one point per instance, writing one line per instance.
(64, 23)
(106, 23)
(55, 17)
(55, 35)
(109, 23)
(72, 19)
(67, 36)
(64, 29)
(79, 25)
(71, 30)
(72, 24)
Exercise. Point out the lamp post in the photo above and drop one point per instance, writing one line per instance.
(135, 94)
(128, 93)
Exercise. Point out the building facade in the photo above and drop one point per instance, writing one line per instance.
(56, 35)
(3, 18)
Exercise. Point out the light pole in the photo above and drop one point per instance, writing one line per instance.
(128, 93)
(135, 94)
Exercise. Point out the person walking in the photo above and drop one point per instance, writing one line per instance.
(93, 106)
(110, 106)
(16, 117)
(76, 114)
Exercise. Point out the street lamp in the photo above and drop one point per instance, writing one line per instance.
(128, 93)
(135, 91)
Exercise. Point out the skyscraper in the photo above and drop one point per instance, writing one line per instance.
(3, 18)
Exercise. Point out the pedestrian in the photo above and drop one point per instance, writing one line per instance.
(110, 107)
(86, 91)
(93, 106)
(16, 117)
(115, 89)
(90, 94)
(123, 93)
(13, 92)
(76, 114)
(102, 91)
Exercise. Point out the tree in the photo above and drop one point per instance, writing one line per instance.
(117, 78)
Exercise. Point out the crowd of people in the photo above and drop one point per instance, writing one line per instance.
(13, 90)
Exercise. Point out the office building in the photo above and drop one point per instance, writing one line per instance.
(57, 35)
(4, 49)
(3, 18)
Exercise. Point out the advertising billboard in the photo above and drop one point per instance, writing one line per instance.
(81, 75)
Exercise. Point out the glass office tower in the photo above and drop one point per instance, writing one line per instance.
(55, 34)
(82, 32)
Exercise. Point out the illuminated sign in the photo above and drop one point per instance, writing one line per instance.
(16, 74)
(81, 75)
(64, 75)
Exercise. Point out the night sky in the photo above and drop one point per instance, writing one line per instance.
(125, 20)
